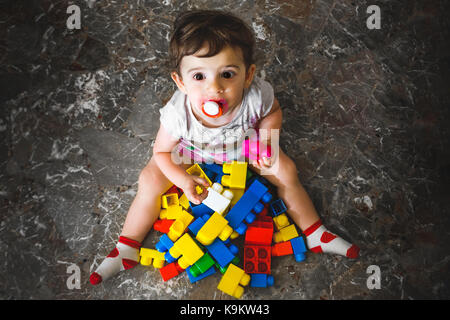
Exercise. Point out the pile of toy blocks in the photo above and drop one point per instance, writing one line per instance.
(196, 238)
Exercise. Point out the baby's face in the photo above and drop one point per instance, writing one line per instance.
(222, 77)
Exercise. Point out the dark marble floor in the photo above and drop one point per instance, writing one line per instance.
(365, 119)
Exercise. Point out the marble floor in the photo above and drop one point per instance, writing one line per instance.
(365, 120)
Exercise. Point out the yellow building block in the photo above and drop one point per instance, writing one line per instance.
(233, 280)
(196, 170)
(234, 235)
(184, 202)
(179, 225)
(172, 212)
(171, 206)
(237, 194)
(216, 226)
(281, 221)
(285, 234)
(149, 255)
(189, 251)
(236, 174)
(170, 199)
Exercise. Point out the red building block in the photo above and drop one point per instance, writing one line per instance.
(264, 211)
(163, 225)
(260, 231)
(174, 189)
(282, 249)
(171, 270)
(257, 259)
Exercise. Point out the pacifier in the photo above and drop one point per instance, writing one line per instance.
(213, 109)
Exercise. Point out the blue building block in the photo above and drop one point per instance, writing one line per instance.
(169, 257)
(164, 243)
(222, 253)
(200, 209)
(213, 171)
(205, 274)
(242, 209)
(299, 248)
(252, 176)
(277, 207)
(261, 280)
(197, 224)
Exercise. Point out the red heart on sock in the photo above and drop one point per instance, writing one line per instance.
(327, 237)
(114, 253)
(128, 264)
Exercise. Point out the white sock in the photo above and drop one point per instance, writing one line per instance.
(124, 256)
(319, 239)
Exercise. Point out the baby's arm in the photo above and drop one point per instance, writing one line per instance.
(164, 144)
(271, 121)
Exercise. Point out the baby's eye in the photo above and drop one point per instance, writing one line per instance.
(198, 76)
(228, 74)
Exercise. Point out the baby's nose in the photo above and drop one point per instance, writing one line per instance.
(215, 86)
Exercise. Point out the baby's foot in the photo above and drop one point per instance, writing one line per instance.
(124, 256)
(319, 239)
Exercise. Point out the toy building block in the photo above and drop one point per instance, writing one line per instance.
(202, 265)
(281, 221)
(215, 227)
(277, 207)
(163, 225)
(213, 171)
(201, 276)
(235, 174)
(200, 210)
(171, 270)
(180, 225)
(170, 199)
(222, 252)
(233, 281)
(196, 170)
(218, 199)
(171, 206)
(299, 248)
(164, 244)
(257, 259)
(184, 202)
(151, 255)
(171, 213)
(260, 231)
(185, 250)
(197, 224)
(261, 280)
(285, 234)
(174, 189)
(295, 246)
(222, 270)
(264, 212)
(237, 194)
(242, 209)
(282, 249)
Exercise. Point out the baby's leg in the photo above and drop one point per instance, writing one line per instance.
(142, 213)
(302, 211)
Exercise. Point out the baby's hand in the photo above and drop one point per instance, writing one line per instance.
(189, 188)
(263, 163)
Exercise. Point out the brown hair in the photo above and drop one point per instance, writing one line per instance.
(217, 29)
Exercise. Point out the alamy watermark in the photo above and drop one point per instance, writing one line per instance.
(73, 281)
(374, 280)
(374, 20)
(252, 145)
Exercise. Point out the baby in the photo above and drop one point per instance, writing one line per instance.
(219, 99)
